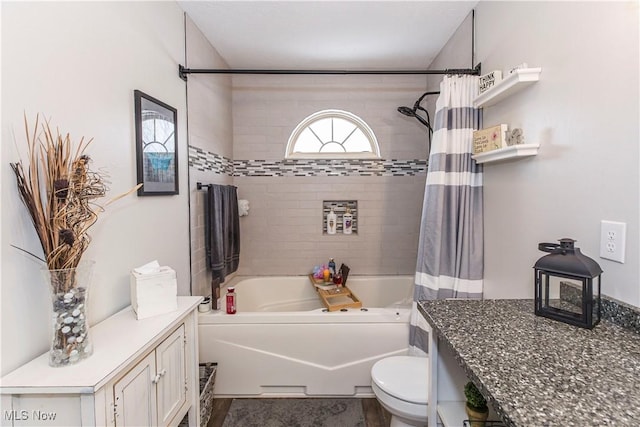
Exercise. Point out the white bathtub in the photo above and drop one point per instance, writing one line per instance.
(281, 342)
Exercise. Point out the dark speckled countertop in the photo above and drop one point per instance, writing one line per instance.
(540, 372)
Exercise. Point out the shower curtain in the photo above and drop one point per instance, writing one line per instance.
(450, 252)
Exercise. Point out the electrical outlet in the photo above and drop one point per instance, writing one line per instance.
(612, 240)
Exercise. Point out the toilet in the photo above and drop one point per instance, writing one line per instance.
(400, 384)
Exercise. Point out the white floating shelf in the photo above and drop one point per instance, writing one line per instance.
(452, 413)
(514, 151)
(511, 84)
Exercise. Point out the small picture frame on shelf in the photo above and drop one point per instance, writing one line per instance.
(489, 80)
(156, 146)
(489, 139)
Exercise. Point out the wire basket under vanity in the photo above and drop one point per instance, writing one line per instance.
(207, 374)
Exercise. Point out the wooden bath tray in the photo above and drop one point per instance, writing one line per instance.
(337, 298)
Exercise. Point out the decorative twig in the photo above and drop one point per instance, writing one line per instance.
(33, 255)
(60, 191)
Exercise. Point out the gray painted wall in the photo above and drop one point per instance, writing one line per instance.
(584, 113)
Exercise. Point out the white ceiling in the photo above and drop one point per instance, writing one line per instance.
(322, 34)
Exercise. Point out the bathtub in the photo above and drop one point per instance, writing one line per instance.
(283, 343)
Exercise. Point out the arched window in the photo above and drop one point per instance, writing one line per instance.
(332, 134)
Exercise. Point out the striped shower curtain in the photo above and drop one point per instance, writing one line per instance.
(450, 252)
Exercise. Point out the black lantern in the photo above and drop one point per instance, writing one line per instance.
(567, 266)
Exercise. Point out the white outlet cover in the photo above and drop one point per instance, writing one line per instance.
(612, 240)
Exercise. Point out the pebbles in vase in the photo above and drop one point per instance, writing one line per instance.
(70, 342)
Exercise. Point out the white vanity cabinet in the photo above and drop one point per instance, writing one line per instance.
(141, 373)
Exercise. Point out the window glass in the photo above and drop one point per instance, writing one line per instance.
(332, 134)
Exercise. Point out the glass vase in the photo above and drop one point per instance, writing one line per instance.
(69, 290)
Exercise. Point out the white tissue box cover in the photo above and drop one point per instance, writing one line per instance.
(153, 294)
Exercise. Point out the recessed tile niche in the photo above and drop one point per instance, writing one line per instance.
(339, 208)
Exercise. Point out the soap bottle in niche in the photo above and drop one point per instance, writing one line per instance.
(347, 222)
(231, 300)
(332, 221)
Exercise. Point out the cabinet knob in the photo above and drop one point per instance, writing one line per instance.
(158, 376)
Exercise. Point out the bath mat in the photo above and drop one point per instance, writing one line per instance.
(295, 413)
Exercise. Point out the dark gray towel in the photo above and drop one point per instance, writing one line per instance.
(222, 230)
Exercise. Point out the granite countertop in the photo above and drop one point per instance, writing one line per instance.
(540, 372)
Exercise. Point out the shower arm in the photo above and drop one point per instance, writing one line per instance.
(417, 103)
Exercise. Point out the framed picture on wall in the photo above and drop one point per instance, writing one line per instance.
(156, 146)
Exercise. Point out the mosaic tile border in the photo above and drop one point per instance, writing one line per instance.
(352, 167)
(206, 161)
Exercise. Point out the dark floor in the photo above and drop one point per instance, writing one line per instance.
(374, 414)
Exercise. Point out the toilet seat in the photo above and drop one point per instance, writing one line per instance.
(403, 377)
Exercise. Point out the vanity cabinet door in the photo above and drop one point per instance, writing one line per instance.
(171, 368)
(135, 395)
(154, 391)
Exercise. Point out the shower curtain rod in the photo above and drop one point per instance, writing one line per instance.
(183, 72)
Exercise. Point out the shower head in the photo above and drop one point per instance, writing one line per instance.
(411, 112)
(407, 111)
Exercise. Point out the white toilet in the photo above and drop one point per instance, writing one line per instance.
(400, 384)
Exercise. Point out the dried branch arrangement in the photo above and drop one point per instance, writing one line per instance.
(59, 191)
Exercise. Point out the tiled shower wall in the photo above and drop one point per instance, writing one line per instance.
(238, 131)
(282, 235)
(209, 116)
(283, 232)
